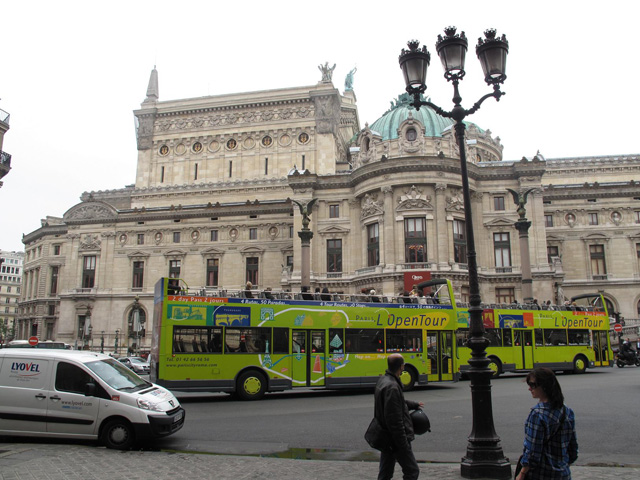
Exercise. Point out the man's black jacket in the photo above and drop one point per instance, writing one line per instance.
(392, 410)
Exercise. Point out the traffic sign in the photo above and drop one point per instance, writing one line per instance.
(33, 341)
(618, 327)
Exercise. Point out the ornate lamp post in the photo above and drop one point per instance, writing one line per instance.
(115, 345)
(102, 341)
(484, 458)
(136, 322)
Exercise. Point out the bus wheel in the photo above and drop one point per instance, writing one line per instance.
(408, 378)
(495, 366)
(579, 364)
(118, 434)
(251, 385)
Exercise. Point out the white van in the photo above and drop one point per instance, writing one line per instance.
(81, 395)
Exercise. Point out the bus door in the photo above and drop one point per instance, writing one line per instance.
(523, 339)
(439, 355)
(307, 349)
(601, 348)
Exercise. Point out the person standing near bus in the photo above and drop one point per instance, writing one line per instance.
(392, 412)
(550, 443)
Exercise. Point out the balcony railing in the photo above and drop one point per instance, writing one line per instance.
(601, 277)
(415, 266)
(504, 269)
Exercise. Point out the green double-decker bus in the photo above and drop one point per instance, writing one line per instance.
(568, 338)
(212, 341)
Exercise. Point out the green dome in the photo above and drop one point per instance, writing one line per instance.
(387, 125)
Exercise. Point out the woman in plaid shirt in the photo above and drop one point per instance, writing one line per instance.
(550, 444)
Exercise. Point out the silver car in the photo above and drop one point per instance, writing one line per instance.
(137, 364)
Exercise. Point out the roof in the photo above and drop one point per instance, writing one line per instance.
(387, 125)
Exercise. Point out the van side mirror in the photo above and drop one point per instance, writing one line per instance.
(90, 390)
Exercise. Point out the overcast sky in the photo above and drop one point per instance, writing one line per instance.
(71, 74)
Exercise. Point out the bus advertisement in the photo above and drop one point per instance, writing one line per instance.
(249, 346)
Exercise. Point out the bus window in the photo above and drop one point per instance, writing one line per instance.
(404, 341)
(317, 341)
(506, 337)
(579, 337)
(364, 341)
(299, 341)
(517, 338)
(247, 340)
(461, 337)
(494, 337)
(280, 340)
(539, 337)
(193, 339)
(555, 336)
(336, 340)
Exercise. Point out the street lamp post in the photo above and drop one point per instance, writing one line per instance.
(484, 458)
(102, 342)
(136, 322)
(115, 345)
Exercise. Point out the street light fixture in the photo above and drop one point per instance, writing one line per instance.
(484, 458)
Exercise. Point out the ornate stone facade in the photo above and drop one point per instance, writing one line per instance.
(212, 203)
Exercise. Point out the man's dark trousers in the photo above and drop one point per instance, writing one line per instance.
(405, 458)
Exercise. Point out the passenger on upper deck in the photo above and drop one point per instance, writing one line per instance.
(305, 293)
(247, 290)
(325, 296)
(267, 294)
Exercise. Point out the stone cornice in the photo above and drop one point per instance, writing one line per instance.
(591, 190)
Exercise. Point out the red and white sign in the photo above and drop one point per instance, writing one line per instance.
(618, 327)
(33, 341)
(415, 278)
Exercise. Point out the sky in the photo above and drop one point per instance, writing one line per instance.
(72, 72)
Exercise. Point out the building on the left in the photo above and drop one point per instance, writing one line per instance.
(5, 158)
(10, 284)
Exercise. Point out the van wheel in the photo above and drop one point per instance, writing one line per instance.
(408, 378)
(118, 435)
(579, 364)
(251, 385)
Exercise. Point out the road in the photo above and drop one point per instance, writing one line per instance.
(328, 424)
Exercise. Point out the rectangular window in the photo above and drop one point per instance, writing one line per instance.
(246, 340)
(290, 262)
(230, 168)
(266, 166)
(214, 235)
(578, 337)
(197, 339)
(366, 340)
(464, 294)
(56, 249)
(176, 237)
(174, 268)
(141, 239)
(505, 295)
(88, 271)
(138, 274)
(498, 203)
(212, 272)
(548, 221)
(334, 210)
(252, 270)
(637, 213)
(52, 310)
(303, 166)
(552, 251)
(195, 172)
(403, 341)
(502, 249)
(290, 231)
(415, 240)
(459, 241)
(54, 280)
(162, 175)
(253, 234)
(334, 255)
(555, 337)
(598, 265)
(373, 245)
(593, 219)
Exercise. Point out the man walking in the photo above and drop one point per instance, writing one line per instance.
(392, 412)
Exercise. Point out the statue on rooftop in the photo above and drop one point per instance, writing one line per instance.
(327, 72)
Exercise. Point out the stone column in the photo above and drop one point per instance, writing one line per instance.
(387, 254)
(442, 234)
(522, 226)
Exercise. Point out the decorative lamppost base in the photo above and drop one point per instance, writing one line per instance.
(498, 468)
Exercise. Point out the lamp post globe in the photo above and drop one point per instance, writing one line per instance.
(484, 458)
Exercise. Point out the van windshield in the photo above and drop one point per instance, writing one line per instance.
(117, 376)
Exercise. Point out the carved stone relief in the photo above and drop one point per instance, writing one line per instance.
(413, 199)
(370, 206)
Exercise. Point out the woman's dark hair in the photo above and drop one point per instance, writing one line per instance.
(546, 379)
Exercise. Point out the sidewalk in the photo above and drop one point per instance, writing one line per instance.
(62, 461)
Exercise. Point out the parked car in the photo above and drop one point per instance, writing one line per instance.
(137, 364)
